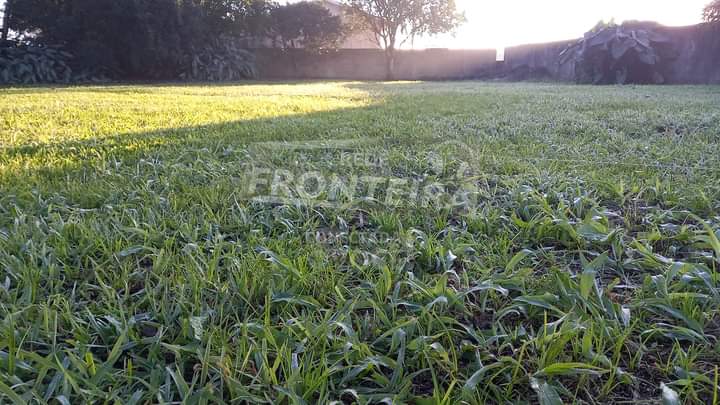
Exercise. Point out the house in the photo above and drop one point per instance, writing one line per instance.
(354, 40)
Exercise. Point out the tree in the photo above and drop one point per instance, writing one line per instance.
(306, 25)
(394, 22)
(7, 10)
(602, 24)
(712, 12)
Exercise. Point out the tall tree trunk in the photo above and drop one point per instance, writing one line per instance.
(6, 20)
(390, 63)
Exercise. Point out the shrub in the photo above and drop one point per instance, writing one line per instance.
(634, 52)
(28, 64)
(712, 12)
(223, 60)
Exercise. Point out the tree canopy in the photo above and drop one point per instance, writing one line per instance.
(305, 24)
(394, 22)
(712, 12)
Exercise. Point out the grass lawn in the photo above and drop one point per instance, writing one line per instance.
(421, 243)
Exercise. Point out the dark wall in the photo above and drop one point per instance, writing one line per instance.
(698, 54)
(369, 64)
(697, 60)
(537, 61)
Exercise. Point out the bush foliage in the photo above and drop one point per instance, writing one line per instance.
(137, 39)
(167, 39)
(305, 24)
(223, 60)
(712, 12)
(629, 53)
(33, 64)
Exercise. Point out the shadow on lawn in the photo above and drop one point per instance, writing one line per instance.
(387, 121)
(113, 170)
(390, 115)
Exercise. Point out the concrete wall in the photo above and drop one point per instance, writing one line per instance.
(369, 64)
(537, 61)
(698, 54)
(697, 60)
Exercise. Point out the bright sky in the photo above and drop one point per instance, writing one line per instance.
(500, 23)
